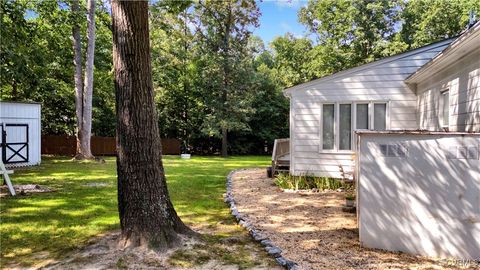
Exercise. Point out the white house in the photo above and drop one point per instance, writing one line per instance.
(418, 191)
(448, 88)
(20, 140)
(434, 87)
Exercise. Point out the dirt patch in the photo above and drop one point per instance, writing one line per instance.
(207, 252)
(24, 189)
(312, 229)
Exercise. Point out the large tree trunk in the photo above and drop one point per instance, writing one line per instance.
(77, 61)
(146, 213)
(224, 142)
(226, 75)
(86, 127)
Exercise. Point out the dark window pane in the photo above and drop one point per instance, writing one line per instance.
(345, 127)
(328, 126)
(379, 115)
(362, 116)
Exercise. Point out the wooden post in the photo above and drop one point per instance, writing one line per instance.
(5, 173)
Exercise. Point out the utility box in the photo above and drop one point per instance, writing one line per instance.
(419, 192)
(20, 138)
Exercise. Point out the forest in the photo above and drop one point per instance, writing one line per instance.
(216, 83)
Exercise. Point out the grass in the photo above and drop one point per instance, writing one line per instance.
(61, 221)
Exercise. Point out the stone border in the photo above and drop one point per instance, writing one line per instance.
(272, 250)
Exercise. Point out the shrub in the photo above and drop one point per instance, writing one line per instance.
(287, 181)
(350, 197)
(323, 183)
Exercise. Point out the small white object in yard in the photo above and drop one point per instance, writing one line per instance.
(96, 184)
(26, 189)
(186, 156)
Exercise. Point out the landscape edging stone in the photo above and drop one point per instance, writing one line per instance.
(272, 250)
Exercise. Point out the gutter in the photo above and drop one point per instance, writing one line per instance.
(442, 59)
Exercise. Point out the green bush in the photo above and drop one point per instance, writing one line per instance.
(287, 181)
(350, 196)
(323, 183)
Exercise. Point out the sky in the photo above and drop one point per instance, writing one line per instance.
(278, 18)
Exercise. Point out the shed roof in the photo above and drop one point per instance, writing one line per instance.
(20, 102)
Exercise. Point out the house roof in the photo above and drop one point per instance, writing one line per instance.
(467, 42)
(385, 60)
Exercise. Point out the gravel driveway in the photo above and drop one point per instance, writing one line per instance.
(311, 228)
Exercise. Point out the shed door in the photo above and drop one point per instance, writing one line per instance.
(14, 143)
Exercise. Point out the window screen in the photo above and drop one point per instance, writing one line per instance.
(362, 116)
(328, 126)
(379, 116)
(345, 127)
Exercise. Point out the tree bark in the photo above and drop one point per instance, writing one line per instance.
(86, 127)
(224, 142)
(226, 75)
(147, 216)
(77, 61)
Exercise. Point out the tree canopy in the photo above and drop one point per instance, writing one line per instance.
(211, 75)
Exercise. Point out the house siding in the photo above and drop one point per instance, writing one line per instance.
(463, 81)
(377, 82)
(424, 201)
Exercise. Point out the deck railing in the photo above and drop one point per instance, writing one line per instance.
(281, 147)
(280, 156)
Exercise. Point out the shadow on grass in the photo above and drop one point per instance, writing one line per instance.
(67, 218)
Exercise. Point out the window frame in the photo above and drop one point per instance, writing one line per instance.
(441, 106)
(353, 124)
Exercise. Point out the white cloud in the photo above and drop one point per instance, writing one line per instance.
(295, 4)
(286, 27)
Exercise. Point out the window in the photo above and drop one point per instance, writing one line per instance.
(328, 126)
(445, 107)
(379, 116)
(345, 127)
(362, 116)
(339, 120)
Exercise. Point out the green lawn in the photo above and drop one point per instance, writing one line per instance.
(58, 222)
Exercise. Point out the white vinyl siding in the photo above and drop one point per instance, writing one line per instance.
(381, 82)
(462, 79)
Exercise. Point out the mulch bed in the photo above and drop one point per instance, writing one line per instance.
(312, 230)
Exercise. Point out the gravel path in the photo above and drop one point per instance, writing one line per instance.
(311, 228)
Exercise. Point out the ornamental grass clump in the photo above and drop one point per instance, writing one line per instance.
(302, 182)
(323, 183)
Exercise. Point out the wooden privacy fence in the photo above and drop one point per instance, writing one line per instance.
(101, 146)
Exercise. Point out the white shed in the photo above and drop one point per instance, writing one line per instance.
(20, 140)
